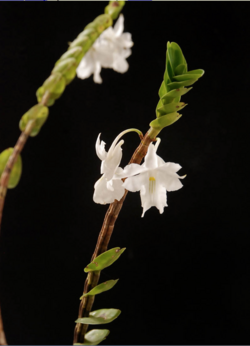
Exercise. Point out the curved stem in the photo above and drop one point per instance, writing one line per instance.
(13, 157)
(104, 238)
(2, 334)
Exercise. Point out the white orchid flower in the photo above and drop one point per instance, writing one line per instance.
(153, 179)
(110, 50)
(109, 186)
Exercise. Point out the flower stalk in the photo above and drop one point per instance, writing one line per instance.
(104, 238)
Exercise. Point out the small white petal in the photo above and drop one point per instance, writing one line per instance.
(120, 65)
(151, 161)
(168, 176)
(97, 77)
(86, 67)
(130, 170)
(119, 26)
(135, 183)
(100, 148)
(126, 40)
(103, 194)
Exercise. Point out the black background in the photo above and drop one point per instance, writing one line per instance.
(184, 278)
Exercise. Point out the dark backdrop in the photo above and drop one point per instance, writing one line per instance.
(184, 278)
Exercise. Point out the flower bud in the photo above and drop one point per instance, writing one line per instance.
(39, 113)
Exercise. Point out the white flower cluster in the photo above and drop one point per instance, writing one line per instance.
(153, 178)
(110, 50)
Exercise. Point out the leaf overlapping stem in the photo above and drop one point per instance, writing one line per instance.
(103, 241)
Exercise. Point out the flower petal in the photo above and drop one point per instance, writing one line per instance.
(126, 40)
(151, 161)
(120, 64)
(100, 148)
(103, 193)
(154, 196)
(86, 67)
(130, 170)
(168, 177)
(135, 183)
(97, 70)
(119, 26)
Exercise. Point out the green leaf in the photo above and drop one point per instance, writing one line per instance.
(95, 336)
(175, 55)
(39, 113)
(180, 69)
(114, 8)
(104, 260)
(105, 286)
(81, 41)
(67, 68)
(76, 52)
(55, 83)
(16, 172)
(171, 95)
(199, 72)
(101, 316)
(162, 90)
(102, 22)
(171, 108)
(177, 85)
(184, 77)
(165, 120)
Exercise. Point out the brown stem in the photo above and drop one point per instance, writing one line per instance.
(5, 179)
(2, 334)
(13, 157)
(103, 240)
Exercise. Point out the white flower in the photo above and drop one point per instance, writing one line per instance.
(109, 187)
(153, 179)
(110, 50)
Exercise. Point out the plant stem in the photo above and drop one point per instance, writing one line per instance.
(2, 334)
(104, 238)
(5, 179)
(13, 157)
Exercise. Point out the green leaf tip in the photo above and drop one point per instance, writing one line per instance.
(16, 172)
(104, 260)
(103, 287)
(95, 336)
(176, 79)
(101, 316)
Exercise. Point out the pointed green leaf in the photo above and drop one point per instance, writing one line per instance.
(162, 90)
(171, 108)
(199, 72)
(104, 260)
(177, 85)
(95, 336)
(165, 120)
(171, 95)
(184, 77)
(180, 69)
(105, 286)
(16, 172)
(175, 54)
(101, 316)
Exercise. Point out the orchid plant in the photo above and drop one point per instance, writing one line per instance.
(100, 45)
